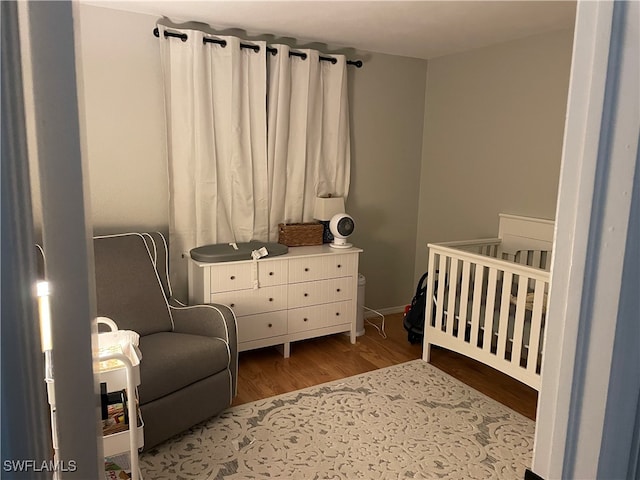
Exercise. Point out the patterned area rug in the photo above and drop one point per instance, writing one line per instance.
(406, 421)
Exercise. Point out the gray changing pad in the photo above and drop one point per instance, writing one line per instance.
(223, 252)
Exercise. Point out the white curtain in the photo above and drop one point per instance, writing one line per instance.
(252, 138)
(308, 141)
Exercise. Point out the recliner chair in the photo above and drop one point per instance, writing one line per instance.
(188, 371)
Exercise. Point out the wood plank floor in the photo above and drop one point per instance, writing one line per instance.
(264, 372)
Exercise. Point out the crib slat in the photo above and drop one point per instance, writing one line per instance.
(477, 301)
(428, 316)
(488, 315)
(464, 298)
(536, 262)
(441, 275)
(536, 330)
(431, 278)
(453, 292)
(521, 257)
(504, 314)
(519, 320)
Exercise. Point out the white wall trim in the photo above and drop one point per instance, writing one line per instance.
(67, 241)
(25, 428)
(592, 234)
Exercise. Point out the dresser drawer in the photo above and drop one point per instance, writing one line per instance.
(248, 302)
(321, 291)
(274, 272)
(319, 316)
(316, 268)
(264, 325)
(226, 277)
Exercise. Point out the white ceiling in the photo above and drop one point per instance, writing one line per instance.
(420, 29)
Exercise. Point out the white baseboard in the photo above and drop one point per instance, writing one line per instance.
(383, 311)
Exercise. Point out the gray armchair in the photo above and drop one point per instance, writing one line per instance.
(188, 371)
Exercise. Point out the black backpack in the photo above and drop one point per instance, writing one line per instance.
(414, 318)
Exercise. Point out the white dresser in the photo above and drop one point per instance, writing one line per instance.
(306, 293)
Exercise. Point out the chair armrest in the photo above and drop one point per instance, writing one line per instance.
(212, 320)
(206, 320)
(174, 302)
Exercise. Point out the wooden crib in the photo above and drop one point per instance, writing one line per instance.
(487, 298)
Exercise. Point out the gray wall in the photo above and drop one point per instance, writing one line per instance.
(493, 130)
(387, 101)
(126, 145)
(121, 80)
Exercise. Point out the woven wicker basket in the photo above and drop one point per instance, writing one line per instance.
(299, 234)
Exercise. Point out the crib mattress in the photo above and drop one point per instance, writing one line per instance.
(224, 252)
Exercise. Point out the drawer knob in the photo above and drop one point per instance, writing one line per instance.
(233, 277)
(306, 294)
(306, 269)
(270, 325)
(337, 289)
(271, 299)
(305, 319)
(337, 314)
(232, 305)
(339, 266)
(271, 274)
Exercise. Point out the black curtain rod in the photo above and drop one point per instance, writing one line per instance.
(255, 48)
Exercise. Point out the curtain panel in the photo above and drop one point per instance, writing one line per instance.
(252, 138)
(308, 141)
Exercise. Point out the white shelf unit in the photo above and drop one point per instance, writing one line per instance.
(305, 293)
(126, 378)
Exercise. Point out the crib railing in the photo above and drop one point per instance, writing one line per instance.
(487, 307)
